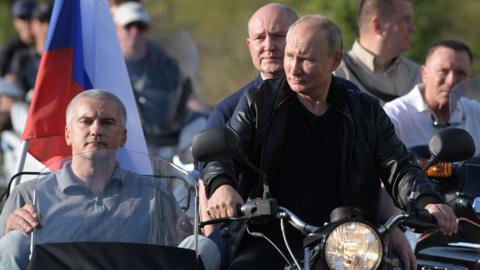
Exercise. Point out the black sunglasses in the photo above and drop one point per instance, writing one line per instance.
(25, 17)
(139, 25)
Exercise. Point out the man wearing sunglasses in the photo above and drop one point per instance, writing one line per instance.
(437, 102)
(155, 76)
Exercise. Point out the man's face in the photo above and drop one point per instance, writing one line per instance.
(24, 29)
(442, 71)
(399, 27)
(40, 30)
(95, 125)
(308, 64)
(133, 39)
(266, 41)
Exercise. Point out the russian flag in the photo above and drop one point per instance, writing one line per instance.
(81, 52)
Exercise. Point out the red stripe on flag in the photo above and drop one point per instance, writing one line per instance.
(54, 89)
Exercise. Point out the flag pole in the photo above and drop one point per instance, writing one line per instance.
(21, 161)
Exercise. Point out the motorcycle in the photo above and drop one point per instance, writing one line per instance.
(139, 227)
(347, 242)
(457, 180)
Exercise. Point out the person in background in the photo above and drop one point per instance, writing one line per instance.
(374, 63)
(162, 93)
(26, 62)
(436, 102)
(22, 15)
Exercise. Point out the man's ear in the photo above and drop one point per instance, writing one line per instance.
(67, 136)
(337, 59)
(376, 25)
(124, 138)
(424, 72)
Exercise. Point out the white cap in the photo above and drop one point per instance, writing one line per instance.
(10, 89)
(130, 12)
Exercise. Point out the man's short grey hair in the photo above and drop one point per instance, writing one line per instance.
(332, 33)
(98, 94)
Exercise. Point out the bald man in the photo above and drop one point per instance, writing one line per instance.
(267, 29)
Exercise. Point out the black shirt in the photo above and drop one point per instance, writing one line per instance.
(308, 179)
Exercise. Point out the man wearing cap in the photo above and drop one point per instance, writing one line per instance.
(155, 77)
(22, 13)
(25, 63)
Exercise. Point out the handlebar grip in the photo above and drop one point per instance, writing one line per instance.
(258, 208)
(421, 221)
(425, 216)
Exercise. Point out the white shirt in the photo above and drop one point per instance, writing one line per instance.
(413, 119)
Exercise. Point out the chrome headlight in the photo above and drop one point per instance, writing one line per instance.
(353, 245)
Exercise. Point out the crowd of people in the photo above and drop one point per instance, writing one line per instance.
(329, 127)
(165, 93)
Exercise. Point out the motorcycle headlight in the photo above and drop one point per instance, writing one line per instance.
(353, 245)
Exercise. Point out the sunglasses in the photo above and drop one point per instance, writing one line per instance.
(25, 18)
(139, 25)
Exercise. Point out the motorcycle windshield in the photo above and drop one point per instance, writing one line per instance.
(92, 197)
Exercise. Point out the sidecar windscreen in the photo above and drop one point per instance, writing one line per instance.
(154, 205)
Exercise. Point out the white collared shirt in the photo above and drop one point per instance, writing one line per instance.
(413, 119)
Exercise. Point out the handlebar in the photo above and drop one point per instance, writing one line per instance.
(296, 221)
(261, 209)
(258, 209)
(417, 220)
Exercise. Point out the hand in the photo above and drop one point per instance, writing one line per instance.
(23, 219)
(202, 204)
(447, 221)
(223, 202)
(398, 242)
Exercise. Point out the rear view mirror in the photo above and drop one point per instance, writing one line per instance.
(451, 145)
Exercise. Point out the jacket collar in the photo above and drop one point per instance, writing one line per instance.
(369, 59)
(336, 94)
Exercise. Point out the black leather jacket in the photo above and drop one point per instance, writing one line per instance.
(371, 150)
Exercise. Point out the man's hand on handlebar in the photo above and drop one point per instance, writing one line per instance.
(23, 219)
(446, 219)
(223, 202)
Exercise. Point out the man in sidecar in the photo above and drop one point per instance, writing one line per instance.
(91, 198)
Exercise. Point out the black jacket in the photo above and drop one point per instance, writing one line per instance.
(371, 150)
